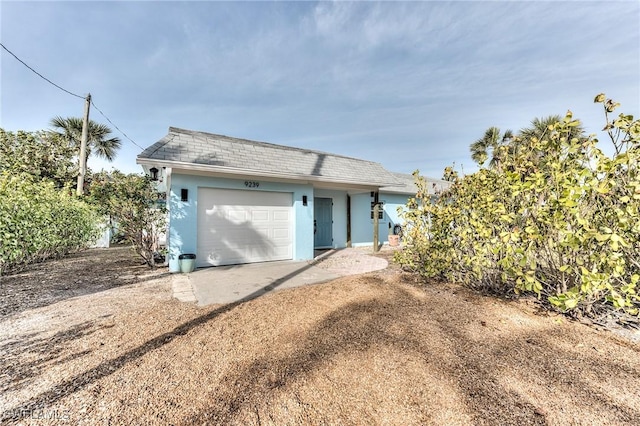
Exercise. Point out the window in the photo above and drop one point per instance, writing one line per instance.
(380, 211)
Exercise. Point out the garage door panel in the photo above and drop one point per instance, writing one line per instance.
(237, 216)
(281, 234)
(236, 226)
(282, 252)
(232, 252)
(263, 232)
(260, 215)
(281, 216)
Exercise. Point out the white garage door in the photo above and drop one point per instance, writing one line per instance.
(236, 226)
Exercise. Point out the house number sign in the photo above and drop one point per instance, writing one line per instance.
(251, 184)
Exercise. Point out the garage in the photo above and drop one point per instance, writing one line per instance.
(243, 226)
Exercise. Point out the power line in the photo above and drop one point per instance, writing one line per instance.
(73, 94)
(116, 127)
(40, 75)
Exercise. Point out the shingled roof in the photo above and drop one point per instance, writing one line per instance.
(182, 148)
(408, 185)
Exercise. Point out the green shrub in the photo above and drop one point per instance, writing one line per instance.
(559, 219)
(130, 200)
(38, 221)
(42, 154)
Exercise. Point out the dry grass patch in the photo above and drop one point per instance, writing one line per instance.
(373, 348)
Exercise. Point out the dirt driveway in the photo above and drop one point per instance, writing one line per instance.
(368, 349)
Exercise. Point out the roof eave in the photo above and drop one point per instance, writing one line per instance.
(244, 172)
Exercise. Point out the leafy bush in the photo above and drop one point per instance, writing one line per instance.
(44, 155)
(559, 218)
(130, 200)
(38, 221)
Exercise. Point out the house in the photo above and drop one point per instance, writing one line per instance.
(234, 201)
(392, 198)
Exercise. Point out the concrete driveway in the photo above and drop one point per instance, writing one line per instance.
(229, 284)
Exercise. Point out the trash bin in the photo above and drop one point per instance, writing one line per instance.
(187, 262)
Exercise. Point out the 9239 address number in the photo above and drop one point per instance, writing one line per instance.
(251, 184)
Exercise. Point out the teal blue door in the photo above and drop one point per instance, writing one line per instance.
(322, 223)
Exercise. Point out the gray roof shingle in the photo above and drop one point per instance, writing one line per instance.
(240, 155)
(408, 185)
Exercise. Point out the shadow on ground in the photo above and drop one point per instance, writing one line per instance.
(24, 358)
(492, 375)
(442, 357)
(48, 349)
(78, 274)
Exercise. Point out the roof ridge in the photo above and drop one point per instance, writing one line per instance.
(161, 143)
(253, 142)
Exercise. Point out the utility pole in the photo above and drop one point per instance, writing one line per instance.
(376, 222)
(83, 146)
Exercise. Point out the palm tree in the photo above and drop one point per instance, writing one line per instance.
(541, 128)
(492, 144)
(98, 143)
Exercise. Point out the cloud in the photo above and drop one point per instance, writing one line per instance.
(426, 78)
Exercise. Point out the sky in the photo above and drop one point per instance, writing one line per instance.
(407, 84)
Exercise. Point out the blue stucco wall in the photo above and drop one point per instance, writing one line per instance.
(339, 215)
(392, 202)
(183, 215)
(361, 222)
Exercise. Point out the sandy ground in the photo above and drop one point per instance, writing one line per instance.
(98, 339)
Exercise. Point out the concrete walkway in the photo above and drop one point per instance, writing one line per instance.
(228, 284)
